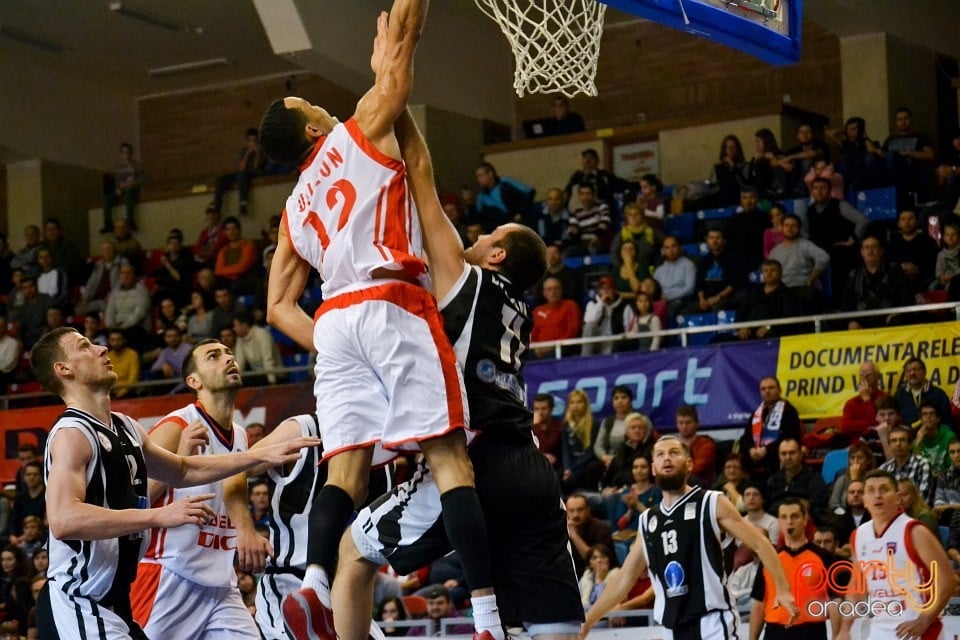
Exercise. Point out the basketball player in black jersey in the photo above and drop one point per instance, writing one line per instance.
(479, 292)
(682, 542)
(96, 466)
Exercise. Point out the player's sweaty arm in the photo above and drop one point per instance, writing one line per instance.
(441, 241)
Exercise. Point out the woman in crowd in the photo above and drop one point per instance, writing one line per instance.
(768, 172)
(595, 576)
(390, 610)
(16, 600)
(639, 496)
(636, 229)
(774, 235)
(651, 198)
(915, 506)
(731, 173)
(733, 481)
(647, 321)
(860, 460)
(199, 321)
(581, 469)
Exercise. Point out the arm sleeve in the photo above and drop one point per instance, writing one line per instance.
(689, 277)
(853, 215)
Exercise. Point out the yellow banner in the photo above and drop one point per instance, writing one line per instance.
(820, 372)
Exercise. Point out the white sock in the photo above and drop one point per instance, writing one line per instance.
(316, 578)
(486, 616)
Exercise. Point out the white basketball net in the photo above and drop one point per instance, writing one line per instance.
(555, 42)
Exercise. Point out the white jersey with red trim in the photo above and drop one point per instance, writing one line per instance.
(203, 555)
(351, 213)
(892, 572)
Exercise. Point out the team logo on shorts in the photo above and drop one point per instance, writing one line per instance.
(105, 441)
(674, 576)
(486, 371)
(652, 524)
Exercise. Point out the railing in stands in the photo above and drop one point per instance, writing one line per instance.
(817, 321)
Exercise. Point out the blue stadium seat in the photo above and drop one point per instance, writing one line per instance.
(668, 190)
(248, 301)
(691, 249)
(683, 226)
(311, 297)
(281, 338)
(716, 214)
(587, 261)
(698, 320)
(878, 204)
(833, 463)
(296, 360)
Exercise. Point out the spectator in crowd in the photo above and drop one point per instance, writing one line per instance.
(174, 276)
(933, 438)
(803, 263)
(26, 453)
(547, 429)
(755, 513)
(946, 502)
(51, 279)
(66, 253)
(631, 272)
(914, 505)
(590, 225)
(32, 314)
(773, 421)
(860, 411)
(5, 255)
(916, 390)
(30, 501)
(619, 473)
(860, 460)
(392, 609)
(128, 307)
(33, 537)
(613, 428)
(639, 496)
(122, 185)
(703, 450)
(211, 239)
(822, 169)
(15, 298)
(128, 246)
(586, 531)
(501, 200)
(601, 567)
(769, 300)
(909, 158)
(768, 170)
(260, 503)
(199, 321)
(226, 307)
(732, 480)
(570, 278)
(168, 364)
(552, 220)
(255, 433)
(646, 321)
(228, 337)
(731, 173)
(55, 319)
(677, 276)
(446, 571)
(10, 350)
(913, 251)
(41, 561)
(555, 319)
(874, 285)
(237, 259)
(581, 468)
(948, 259)
(651, 199)
(256, 350)
(103, 278)
(903, 463)
(167, 318)
(860, 163)
(605, 184)
(125, 362)
(636, 230)
(16, 599)
(948, 175)
(652, 289)
(773, 235)
(809, 151)
(26, 258)
(249, 166)
(720, 274)
(440, 606)
(564, 121)
(608, 314)
(854, 513)
(834, 226)
(797, 480)
(745, 230)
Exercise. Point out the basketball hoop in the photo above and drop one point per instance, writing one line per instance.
(556, 43)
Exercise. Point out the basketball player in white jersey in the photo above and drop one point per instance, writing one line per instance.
(96, 465)
(682, 542)
(386, 376)
(186, 585)
(895, 555)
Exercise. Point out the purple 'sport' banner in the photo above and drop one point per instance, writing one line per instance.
(722, 382)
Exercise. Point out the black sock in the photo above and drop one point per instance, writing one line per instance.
(467, 532)
(329, 515)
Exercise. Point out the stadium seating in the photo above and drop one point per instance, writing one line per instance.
(683, 226)
(833, 463)
(698, 320)
(877, 204)
(296, 360)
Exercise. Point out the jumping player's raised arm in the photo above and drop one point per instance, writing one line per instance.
(441, 242)
(397, 38)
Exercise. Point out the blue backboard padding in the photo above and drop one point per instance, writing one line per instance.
(723, 26)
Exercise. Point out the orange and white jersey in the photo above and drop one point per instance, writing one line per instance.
(893, 574)
(203, 555)
(351, 213)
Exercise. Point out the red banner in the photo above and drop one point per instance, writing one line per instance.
(266, 405)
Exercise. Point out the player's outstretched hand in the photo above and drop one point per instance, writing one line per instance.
(193, 440)
(189, 510)
(378, 42)
(252, 551)
(284, 452)
(786, 601)
(915, 628)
